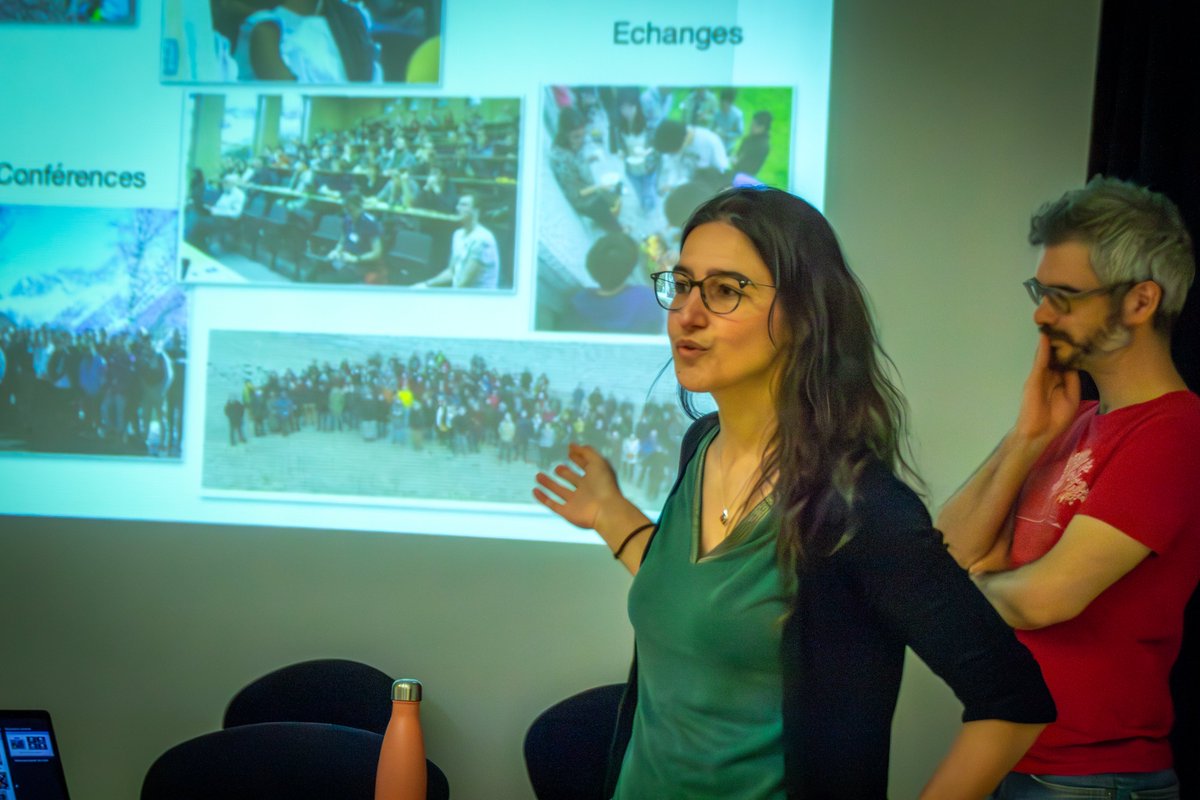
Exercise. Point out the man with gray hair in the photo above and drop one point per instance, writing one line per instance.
(1083, 527)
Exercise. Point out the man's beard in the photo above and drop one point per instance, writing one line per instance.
(1111, 337)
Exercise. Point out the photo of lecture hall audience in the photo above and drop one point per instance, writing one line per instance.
(413, 421)
(315, 42)
(621, 168)
(68, 12)
(93, 331)
(420, 193)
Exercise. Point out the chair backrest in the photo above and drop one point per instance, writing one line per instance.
(329, 690)
(412, 245)
(276, 761)
(278, 214)
(329, 228)
(257, 207)
(566, 747)
(292, 760)
(407, 259)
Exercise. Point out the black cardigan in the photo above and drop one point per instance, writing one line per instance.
(893, 584)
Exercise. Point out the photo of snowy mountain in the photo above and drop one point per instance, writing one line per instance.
(93, 326)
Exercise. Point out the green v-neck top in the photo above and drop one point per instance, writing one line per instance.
(709, 721)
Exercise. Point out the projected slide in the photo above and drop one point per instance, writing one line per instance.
(367, 264)
(620, 170)
(424, 420)
(93, 326)
(293, 188)
(60, 12)
(327, 42)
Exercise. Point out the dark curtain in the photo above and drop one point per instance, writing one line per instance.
(1146, 128)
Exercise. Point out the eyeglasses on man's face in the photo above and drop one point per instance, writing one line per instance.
(1061, 299)
(721, 292)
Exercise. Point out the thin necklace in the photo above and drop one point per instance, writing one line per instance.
(725, 517)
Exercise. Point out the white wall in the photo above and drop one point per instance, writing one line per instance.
(949, 123)
(144, 632)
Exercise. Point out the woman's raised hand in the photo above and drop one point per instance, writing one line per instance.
(585, 489)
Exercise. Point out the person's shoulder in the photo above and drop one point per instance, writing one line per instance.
(482, 241)
(262, 29)
(1182, 406)
(885, 504)
(275, 15)
(644, 307)
(696, 432)
(1172, 418)
(888, 525)
(585, 300)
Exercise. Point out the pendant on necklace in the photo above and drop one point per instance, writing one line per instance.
(724, 516)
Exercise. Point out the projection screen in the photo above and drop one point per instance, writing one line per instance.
(370, 265)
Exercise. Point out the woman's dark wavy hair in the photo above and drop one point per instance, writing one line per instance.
(837, 407)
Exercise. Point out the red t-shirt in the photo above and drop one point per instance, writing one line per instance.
(1137, 469)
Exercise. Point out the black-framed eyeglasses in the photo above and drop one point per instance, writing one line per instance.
(1060, 299)
(720, 292)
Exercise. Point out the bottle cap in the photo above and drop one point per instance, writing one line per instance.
(407, 689)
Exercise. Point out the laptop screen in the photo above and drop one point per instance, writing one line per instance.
(30, 765)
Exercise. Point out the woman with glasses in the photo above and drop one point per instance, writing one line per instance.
(789, 567)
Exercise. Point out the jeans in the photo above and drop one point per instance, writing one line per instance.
(1162, 785)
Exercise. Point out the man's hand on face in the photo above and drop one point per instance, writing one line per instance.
(1049, 400)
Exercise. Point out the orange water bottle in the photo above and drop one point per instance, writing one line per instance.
(401, 773)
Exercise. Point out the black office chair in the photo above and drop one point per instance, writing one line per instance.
(276, 761)
(251, 222)
(322, 240)
(284, 760)
(566, 747)
(330, 690)
(408, 259)
(282, 235)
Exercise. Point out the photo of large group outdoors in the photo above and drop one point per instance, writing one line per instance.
(93, 330)
(620, 169)
(375, 191)
(69, 12)
(315, 42)
(424, 419)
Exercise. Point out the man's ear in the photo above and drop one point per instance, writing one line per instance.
(1141, 302)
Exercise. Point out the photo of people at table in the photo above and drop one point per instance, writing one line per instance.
(620, 168)
(70, 12)
(315, 42)
(380, 191)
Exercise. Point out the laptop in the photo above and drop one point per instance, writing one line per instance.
(30, 765)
